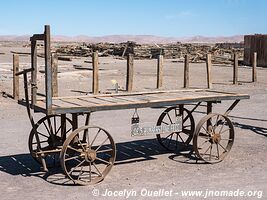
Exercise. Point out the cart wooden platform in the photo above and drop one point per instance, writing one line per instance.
(88, 153)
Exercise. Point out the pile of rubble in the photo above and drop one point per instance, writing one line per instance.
(221, 53)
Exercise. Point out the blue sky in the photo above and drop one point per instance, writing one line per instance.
(138, 17)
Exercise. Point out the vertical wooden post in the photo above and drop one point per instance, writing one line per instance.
(129, 78)
(209, 110)
(160, 71)
(54, 64)
(186, 71)
(48, 70)
(34, 72)
(15, 78)
(209, 74)
(235, 69)
(95, 84)
(254, 65)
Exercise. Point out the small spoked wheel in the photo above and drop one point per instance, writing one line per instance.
(213, 138)
(88, 155)
(48, 135)
(176, 141)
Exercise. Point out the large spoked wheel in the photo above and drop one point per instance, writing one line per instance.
(177, 140)
(88, 155)
(213, 138)
(48, 135)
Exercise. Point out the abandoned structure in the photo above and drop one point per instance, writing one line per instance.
(255, 43)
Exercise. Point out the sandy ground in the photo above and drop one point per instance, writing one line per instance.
(145, 165)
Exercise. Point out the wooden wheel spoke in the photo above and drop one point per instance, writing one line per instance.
(76, 166)
(102, 160)
(224, 131)
(81, 144)
(40, 142)
(77, 150)
(210, 151)
(90, 171)
(72, 158)
(42, 134)
(104, 151)
(203, 144)
(99, 173)
(81, 172)
(207, 149)
(218, 152)
(176, 141)
(204, 129)
(187, 132)
(169, 118)
(46, 128)
(181, 138)
(227, 139)
(165, 122)
(55, 125)
(223, 147)
(95, 137)
(50, 126)
(101, 144)
(223, 123)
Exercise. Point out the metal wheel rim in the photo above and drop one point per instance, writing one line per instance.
(32, 135)
(189, 131)
(82, 149)
(219, 138)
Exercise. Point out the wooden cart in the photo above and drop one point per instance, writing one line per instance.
(88, 153)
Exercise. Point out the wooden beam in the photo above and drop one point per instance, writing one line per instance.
(160, 71)
(34, 72)
(15, 78)
(37, 37)
(254, 67)
(48, 70)
(95, 84)
(209, 74)
(235, 69)
(54, 64)
(186, 71)
(130, 72)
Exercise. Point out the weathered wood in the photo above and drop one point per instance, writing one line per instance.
(87, 104)
(37, 37)
(130, 72)
(160, 71)
(186, 71)
(34, 72)
(48, 70)
(235, 69)
(209, 71)
(15, 78)
(254, 67)
(95, 84)
(54, 64)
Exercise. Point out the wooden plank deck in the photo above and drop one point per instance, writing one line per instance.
(91, 103)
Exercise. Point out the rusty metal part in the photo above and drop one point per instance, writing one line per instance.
(213, 142)
(88, 155)
(176, 140)
(47, 137)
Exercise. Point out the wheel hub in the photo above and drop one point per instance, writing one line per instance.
(216, 138)
(90, 155)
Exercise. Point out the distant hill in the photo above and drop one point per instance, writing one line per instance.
(141, 39)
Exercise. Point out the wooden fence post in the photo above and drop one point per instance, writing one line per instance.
(235, 69)
(186, 71)
(15, 78)
(95, 84)
(254, 65)
(129, 78)
(160, 71)
(54, 64)
(209, 74)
